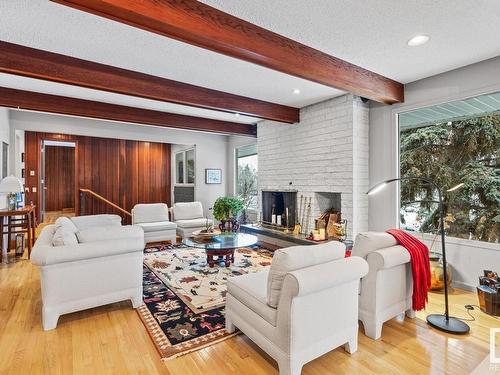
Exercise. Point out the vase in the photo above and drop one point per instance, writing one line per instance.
(230, 225)
(437, 273)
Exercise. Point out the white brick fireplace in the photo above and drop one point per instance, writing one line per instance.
(326, 152)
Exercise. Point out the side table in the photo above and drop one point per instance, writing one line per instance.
(10, 225)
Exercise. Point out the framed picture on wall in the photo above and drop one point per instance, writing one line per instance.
(213, 176)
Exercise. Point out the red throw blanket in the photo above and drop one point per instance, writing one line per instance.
(420, 266)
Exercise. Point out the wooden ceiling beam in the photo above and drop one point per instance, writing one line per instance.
(193, 22)
(35, 101)
(49, 66)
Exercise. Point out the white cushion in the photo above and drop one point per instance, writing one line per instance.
(64, 236)
(295, 258)
(149, 213)
(367, 242)
(193, 223)
(157, 226)
(90, 221)
(108, 233)
(65, 222)
(188, 210)
(250, 290)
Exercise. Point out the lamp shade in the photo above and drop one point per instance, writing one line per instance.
(11, 184)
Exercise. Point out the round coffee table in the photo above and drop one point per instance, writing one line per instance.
(222, 246)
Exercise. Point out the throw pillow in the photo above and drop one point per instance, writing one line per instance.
(66, 223)
(64, 236)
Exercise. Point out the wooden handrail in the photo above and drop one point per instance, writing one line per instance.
(101, 198)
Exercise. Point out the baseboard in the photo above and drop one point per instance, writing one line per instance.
(461, 285)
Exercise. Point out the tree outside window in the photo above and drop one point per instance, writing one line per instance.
(246, 177)
(450, 152)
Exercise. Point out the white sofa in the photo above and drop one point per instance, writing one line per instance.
(91, 261)
(387, 289)
(303, 307)
(153, 218)
(189, 218)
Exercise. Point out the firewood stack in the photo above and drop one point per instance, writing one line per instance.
(330, 219)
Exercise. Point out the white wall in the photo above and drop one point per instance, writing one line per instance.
(4, 137)
(326, 152)
(211, 149)
(472, 80)
(232, 144)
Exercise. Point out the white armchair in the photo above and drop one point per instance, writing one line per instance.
(303, 307)
(88, 266)
(189, 218)
(387, 289)
(154, 220)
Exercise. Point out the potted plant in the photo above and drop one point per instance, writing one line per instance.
(226, 210)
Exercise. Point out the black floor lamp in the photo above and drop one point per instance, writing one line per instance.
(444, 322)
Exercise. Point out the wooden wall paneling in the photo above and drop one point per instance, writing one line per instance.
(126, 172)
(59, 178)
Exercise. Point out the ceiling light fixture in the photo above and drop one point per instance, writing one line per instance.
(296, 91)
(418, 40)
(237, 114)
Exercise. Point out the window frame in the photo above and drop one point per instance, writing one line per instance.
(184, 169)
(236, 169)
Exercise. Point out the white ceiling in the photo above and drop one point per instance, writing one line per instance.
(371, 34)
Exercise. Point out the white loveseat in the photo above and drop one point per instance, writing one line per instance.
(153, 218)
(387, 289)
(189, 218)
(303, 307)
(92, 261)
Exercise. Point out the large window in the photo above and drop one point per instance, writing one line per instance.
(452, 144)
(185, 167)
(246, 175)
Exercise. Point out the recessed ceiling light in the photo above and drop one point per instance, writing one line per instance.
(296, 91)
(418, 40)
(237, 114)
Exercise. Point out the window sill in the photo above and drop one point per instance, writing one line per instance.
(458, 241)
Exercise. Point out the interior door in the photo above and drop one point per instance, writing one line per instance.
(58, 177)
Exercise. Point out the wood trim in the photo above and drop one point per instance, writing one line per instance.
(87, 108)
(193, 22)
(102, 199)
(35, 63)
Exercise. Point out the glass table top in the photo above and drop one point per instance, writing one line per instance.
(222, 241)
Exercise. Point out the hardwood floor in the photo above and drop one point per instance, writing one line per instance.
(113, 340)
(52, 216)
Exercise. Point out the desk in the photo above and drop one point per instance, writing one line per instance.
(26, 224)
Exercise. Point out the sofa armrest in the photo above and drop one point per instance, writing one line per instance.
(326, 275)
(45, 255)
(387, 258)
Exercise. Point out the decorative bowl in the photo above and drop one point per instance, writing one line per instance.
(199, 234)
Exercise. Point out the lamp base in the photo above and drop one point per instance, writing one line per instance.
(450, 325)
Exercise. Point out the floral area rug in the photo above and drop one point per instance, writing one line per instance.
(184, 299)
